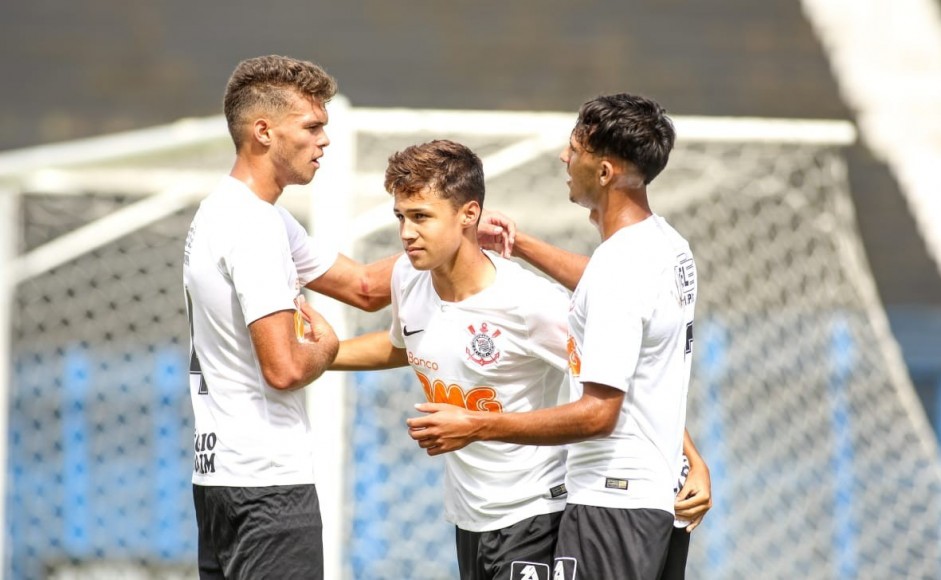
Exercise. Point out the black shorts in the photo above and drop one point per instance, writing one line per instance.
(523, 550)
(259, 532)
(675, 567)
(599, 542)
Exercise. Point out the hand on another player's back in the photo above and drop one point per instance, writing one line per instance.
(444, 428)
(695, 499)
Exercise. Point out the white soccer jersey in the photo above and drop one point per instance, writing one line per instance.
(501, 350)
(630, 325)
(238, 268)
(312, 256)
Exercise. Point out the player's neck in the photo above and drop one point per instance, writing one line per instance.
(470, 272)
(622, 209)
(254, 175)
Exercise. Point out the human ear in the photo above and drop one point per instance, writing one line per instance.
(261, 131)
(470, 213)
(605, 172)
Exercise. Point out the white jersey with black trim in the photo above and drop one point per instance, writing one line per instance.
(501, 350)
(238, 268)
(630, 327)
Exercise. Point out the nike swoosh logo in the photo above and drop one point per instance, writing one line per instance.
(406, 331)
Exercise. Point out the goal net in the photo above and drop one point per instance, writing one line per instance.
(822, 462)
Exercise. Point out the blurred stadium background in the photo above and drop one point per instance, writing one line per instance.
(816, 386)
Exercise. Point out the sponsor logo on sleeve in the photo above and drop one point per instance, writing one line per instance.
(575, 361)
(685, 270)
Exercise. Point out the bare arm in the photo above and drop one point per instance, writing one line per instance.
(364, 286)
(368, 286)
(447, 427)
(695, 499)
(563, 266)
(287, 363)
(369, 352)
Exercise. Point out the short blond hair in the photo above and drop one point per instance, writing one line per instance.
(267, 83)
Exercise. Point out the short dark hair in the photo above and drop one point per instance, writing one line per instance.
(630, 127)
(452, 170)
(267, 82)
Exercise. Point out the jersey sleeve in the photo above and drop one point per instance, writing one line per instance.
(614, 325)
(260, 267)
(312, 256)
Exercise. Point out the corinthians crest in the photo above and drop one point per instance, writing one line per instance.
(482, 349)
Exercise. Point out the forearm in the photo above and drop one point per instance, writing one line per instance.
(287, 363)
(695, 499)
(556, 426)
(369, 352)
(377, 288)
(312, 359)
(690, 451)
(563, 266)
(367, 287)
(593, 415)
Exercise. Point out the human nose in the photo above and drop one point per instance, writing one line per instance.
(407, 231)
(564, 155)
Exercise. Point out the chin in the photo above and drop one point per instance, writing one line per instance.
(417, 263)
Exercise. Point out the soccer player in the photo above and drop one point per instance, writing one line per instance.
(630, 336)
(253, 480)
(481, 333)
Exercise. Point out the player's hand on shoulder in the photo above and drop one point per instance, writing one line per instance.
(496, 232)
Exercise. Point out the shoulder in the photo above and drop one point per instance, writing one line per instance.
(532, 291)
(291, 225)
(404, 275)
(672, 238)
(531, 281)
(232, 203)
